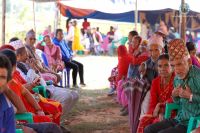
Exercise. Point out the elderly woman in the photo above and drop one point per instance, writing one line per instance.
(33, 57)
(53, 54)
(160, 93)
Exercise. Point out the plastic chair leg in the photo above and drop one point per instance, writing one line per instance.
(61, 83)
(68, 77)
(65, 78)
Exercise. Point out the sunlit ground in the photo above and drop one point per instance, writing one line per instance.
(97, 69)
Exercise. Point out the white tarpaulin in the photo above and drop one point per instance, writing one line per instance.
(121, 6)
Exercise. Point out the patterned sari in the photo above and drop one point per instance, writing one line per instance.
(135, 90)
(157, 95)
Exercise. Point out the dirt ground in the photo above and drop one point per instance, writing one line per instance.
(95, 112)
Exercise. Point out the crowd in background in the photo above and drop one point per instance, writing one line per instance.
(90, 40)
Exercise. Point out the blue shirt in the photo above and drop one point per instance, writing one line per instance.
(151, 71)
(133, 71)
(7, 119)
(65, 50)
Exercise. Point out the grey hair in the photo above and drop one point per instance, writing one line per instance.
(159, 45)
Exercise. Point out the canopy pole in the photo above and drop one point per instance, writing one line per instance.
(136, 15)
(56, 16)
(183, 22)
(3, 21)
(34, 16)
(59, 19)
(180, 23)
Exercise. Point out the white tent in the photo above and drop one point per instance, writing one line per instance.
(121, 6)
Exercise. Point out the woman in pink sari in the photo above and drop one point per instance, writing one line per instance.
(53, 54)
(160, 94)
(124, 59)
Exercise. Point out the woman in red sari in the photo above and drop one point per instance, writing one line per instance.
(160, 94)
(33, 106)
(124, 59)
(49, 106)
(30, 103)
(135, 58)
(138, 55)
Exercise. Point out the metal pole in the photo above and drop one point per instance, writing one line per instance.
(136, 15)
(183, 24)
(180, 23)
(3, 21)
(34, 16)
(56, 16)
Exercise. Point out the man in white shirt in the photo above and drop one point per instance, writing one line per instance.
(116, 41)
(70, 35)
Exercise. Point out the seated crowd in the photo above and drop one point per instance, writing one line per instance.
(151, 74)
(27, 84)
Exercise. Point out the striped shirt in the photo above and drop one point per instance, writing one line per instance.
(189, 109)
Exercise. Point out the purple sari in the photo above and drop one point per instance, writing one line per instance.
(135, 90)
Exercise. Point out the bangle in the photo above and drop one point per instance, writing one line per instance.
(190, 100)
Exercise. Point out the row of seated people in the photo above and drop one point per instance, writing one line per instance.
(12, 88)
(58, 54)
(26, 73)
(146, 79)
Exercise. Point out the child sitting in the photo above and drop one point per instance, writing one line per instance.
(112, 80)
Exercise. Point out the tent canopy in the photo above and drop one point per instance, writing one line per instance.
(123, 10)
(121, 6)
(79, 13)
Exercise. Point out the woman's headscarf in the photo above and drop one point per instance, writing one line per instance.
(122, 51)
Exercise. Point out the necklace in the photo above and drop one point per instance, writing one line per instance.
(165, 81)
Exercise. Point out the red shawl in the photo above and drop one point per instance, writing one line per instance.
(160, 95)
(124, 59)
